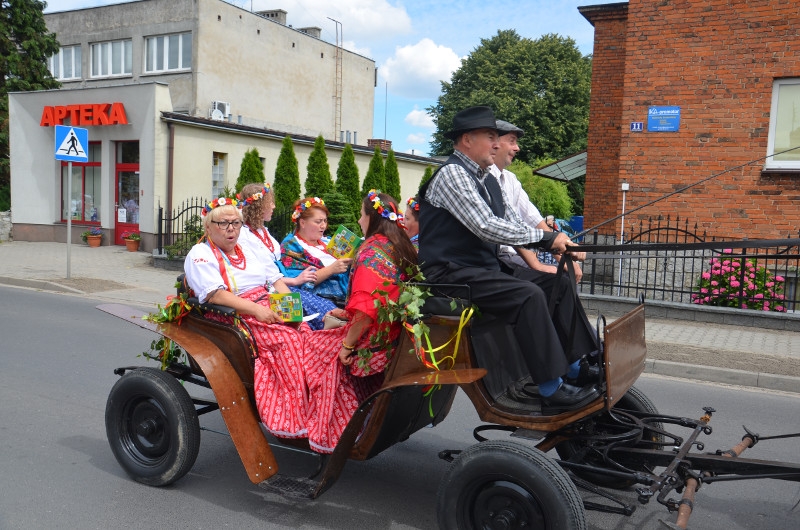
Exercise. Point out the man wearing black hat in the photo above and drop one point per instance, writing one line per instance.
(463, 218)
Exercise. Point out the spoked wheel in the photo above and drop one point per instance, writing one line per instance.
(152, 426)
(506, 485)
(633, 400)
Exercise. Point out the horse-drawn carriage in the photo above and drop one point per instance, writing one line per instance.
(616, 441)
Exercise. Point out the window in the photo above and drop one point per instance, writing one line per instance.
(218, 175)
(784, 125)
(112, 58)
(168, 52)
(66, 64)
(86, 200)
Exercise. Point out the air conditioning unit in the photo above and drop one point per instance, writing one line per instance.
(220, 110)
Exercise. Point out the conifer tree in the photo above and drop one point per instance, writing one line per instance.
(251, 170)
(287, 177)
(374, 177)
(347, 179)
(426, 176)
(340, 213)
(391, 177)
(25, 45)
(318, 178)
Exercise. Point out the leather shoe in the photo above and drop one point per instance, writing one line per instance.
(588, 374)
(569, 397)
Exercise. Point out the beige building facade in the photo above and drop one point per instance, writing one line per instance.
(159, 135)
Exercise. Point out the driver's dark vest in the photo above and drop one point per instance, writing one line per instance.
(443, 239)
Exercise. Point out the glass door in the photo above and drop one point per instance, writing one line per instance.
(127, 190)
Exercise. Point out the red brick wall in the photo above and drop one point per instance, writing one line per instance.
(716, 60)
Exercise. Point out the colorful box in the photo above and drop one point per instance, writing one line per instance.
(288, 306)
(343, 243)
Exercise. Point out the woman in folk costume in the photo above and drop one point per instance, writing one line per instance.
(258, 203)
(220, 270)
(411, 221)
(305, 251)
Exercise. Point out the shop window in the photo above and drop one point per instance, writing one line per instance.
(66, 64)
(86, 200)
(111, 59)
(784, 125)
(168, 52)
(218, 174)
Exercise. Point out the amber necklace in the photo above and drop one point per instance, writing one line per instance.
(237, 260)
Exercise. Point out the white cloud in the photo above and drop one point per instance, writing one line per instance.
(415, 71)
(417, 138)
(419, 118)
(351, 46)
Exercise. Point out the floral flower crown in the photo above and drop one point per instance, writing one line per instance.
(256, 196)
(413, 204)
(304, 205)
(220, 201)
(387, 213)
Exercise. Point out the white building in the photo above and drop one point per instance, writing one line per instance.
(173, 93)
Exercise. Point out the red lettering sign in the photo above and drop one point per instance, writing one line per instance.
(86, 115)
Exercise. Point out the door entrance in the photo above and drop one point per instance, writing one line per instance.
(127, 190)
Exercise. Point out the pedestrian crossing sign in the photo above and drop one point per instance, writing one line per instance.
(72, 144)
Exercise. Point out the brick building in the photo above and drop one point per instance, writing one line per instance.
(685, 90)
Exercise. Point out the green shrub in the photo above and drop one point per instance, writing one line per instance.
(549, 196)
(192, 232)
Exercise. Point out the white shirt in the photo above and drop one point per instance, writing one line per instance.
(249, 238)
(517, 200)
(204, 277)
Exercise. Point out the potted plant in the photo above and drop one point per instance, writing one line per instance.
(132, 239)
(93, 237)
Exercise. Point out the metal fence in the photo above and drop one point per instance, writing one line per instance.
(670, 260)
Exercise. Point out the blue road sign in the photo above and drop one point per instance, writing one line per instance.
(72, 144)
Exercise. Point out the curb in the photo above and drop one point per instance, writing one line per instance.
(38, 284)
(729, 376)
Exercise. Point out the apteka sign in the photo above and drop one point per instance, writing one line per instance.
(85, 115)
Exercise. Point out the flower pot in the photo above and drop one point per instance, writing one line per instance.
(94, 241)
(132, 244)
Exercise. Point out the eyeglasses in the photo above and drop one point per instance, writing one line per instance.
(224, 225)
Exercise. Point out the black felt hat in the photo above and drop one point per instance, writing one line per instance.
(470, 119)
(503, 127)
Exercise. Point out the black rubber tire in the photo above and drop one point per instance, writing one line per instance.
(633, 400)
(152, 426)
(501, 484)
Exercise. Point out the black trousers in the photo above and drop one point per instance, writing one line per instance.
(521, 302)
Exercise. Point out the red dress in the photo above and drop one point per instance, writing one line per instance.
(333, 393)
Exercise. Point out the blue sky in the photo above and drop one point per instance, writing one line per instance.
(415, 44)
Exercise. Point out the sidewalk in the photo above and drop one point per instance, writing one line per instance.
(755, 357)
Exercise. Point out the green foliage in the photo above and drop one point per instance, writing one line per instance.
(96, 231)
(391, 177)
(737, 282)
(318, 179)
(287, 177)
(541, 85)
(5, 198)
(25, 45)
(340, 213)
(549, 196)
(192, 232)
(347, 179)
(426, 176)
(374, 178)
(251, 170)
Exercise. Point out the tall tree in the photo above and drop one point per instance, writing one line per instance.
(542, 86)
(391, 177)
(287, 177)
(25, 45)
(426, 176)
(550, 196)
(251, 170)
(318, 177)
(347, 179)
(373, 180)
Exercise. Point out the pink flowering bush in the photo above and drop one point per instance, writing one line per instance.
(729, 277)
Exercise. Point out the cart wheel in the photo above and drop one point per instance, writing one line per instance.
(502, 484)
(634, 400)
(152, 426)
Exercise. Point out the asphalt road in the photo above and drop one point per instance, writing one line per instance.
(57, 355)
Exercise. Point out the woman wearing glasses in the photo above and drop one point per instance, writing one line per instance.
(220, 270)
